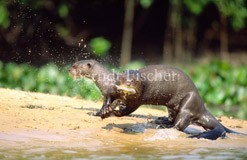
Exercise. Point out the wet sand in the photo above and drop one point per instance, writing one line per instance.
(42, 125)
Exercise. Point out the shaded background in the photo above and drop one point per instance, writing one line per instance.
(162, 31)
(209, 37)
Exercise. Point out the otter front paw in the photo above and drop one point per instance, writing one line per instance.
(105, 112)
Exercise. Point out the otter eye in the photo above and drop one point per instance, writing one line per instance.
(89, 65)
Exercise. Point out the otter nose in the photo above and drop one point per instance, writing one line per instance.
(70, 69)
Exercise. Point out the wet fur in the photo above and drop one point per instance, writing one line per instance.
(181, 97)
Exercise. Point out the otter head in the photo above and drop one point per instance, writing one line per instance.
(82, 68)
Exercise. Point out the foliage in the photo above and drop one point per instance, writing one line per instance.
(4, 16)
(63, 10)
(100, 46)
(134, 65)
(47, 79)
(234, 9)
(222, 85)
(146, 3)
(195, 6)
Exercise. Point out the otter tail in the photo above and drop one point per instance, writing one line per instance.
(219, 131)
(214, 128)
(231, 131)
(212, 134)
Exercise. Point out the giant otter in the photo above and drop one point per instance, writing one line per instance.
(103, 78)
(159, 85)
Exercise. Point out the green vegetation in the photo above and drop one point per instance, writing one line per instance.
(146, 3)
(100, 46)
(234, 9)
(47, 79)
(4, 16)
(223, 86)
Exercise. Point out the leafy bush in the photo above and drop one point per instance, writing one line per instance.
(134, 65)
(4, 16)
(100, 46)
(222, 86)
(47, 79)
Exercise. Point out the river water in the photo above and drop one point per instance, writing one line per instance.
(115, 144)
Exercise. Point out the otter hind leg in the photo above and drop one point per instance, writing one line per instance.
(212, 134)
(182, 120)
(185, 113)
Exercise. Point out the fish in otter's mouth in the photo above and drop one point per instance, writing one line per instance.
(126, 89)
